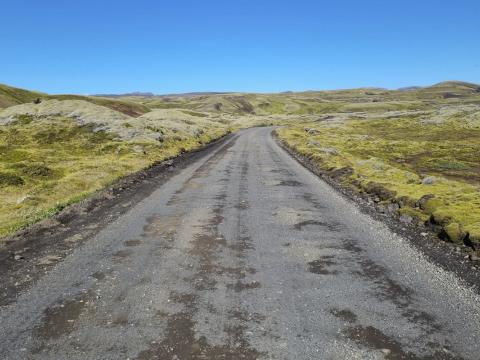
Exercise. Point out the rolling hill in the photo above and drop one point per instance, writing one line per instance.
(10, 96)
(427, 139)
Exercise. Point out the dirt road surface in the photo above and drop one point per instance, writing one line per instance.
(243, 254)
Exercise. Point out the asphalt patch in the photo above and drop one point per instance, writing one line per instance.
(398, 294)
(131, 243)
(320, 266)
(289, 183)
(241, 286)
(98, 275)
(59, 320)
(180, 340)
(374, 338)
(121, 255)
(330, 226)
(344, 314)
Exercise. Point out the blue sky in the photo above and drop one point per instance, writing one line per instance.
(107, 46)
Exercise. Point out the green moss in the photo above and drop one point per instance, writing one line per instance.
(194, 113)
(24, 119)
(397, 155)
(33, 170)
(454, 232)
(52, 162)
(433, 205)
(157, 129)
(413, 213)
(475, 233)
(442, 216)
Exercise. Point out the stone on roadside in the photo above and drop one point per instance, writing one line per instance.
(405, 219)
(49, 260)
(474, 257)
(393, 208)
(74, 238)
(429, 180)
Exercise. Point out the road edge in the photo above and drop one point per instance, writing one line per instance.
(437, 251)
(30, 253)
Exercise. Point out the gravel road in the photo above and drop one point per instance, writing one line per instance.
(244, 254)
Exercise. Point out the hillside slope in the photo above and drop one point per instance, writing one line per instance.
(318, 102)
(10, 96)
(59, 151)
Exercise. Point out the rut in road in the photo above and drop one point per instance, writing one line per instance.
(243, 255)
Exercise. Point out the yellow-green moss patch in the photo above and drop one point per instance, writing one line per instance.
(404, 157)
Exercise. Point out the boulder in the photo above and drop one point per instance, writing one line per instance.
(405, 219)
(393, 208)
(429, 180)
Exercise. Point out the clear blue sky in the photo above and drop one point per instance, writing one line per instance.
(106, 46)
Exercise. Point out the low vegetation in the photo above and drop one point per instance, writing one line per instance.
(50, 160)
(415, 150)
(427, 165)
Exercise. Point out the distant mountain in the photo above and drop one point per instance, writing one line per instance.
(150, 95)
(135, 93)
(199, 93)
(307, 102)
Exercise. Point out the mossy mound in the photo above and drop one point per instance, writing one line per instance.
(7, 179)
(34, 170)
(454, 232)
